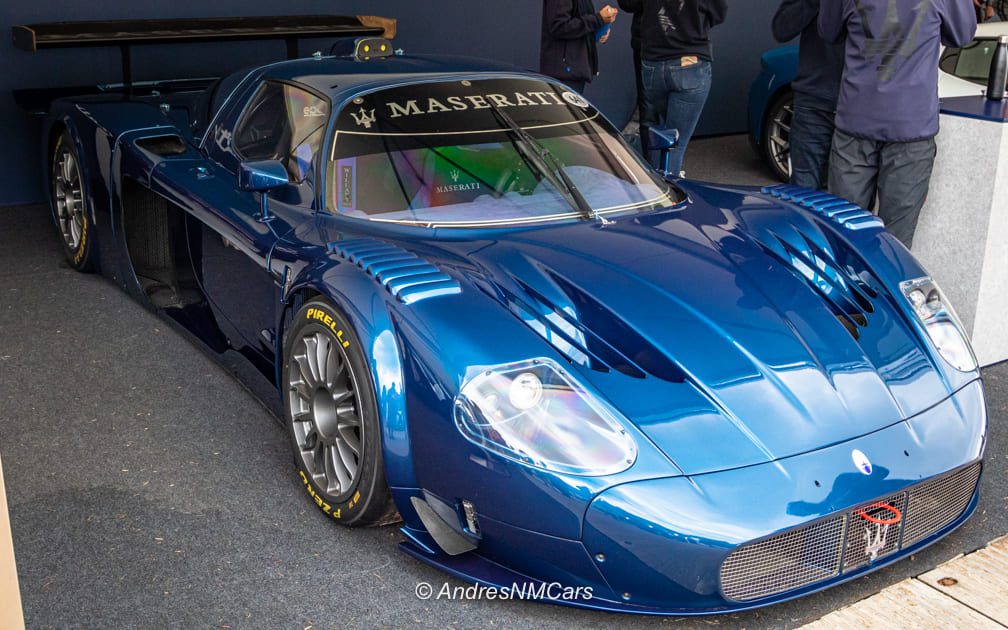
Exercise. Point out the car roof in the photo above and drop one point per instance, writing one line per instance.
(340, 77)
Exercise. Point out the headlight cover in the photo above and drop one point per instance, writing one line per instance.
(533, 412)
(943, 327)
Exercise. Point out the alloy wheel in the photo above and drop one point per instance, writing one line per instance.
(69, 197)
(325, 407)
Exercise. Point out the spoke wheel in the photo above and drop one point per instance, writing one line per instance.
(69, 204)
(325, 409)
(332, 414)
(68, 195)
(777, 135)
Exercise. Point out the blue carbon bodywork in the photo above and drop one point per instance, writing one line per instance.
(778, 69)
(752, 339)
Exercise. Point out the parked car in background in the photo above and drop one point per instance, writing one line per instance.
(963, 73)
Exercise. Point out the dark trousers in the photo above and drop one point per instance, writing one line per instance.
(811, 140)
(641, 102)
(675, 96)
(898, 172)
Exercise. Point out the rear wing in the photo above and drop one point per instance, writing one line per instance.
(127, 33)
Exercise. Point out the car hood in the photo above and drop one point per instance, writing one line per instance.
(731, 330)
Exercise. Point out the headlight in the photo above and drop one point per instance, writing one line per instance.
(940, 321)
(534, 413)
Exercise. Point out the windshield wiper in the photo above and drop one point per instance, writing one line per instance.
(540, 157)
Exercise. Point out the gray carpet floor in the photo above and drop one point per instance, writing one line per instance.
(148, 489)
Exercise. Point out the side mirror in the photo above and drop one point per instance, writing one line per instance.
(262, 175)
(663, 140)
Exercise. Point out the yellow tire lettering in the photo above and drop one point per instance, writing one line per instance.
(83, 243)
(325, 507)
(318, 315)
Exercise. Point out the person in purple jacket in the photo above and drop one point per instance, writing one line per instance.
(887, 114)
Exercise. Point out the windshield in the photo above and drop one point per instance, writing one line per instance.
(438, 154)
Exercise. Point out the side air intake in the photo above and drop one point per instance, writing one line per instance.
(409, 278)
(847, 214)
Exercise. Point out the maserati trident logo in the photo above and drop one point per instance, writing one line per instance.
(365, 118)
(455, 176)
(875, 541)
(877, 519)
(861, 461)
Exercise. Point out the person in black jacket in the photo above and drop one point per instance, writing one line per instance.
(816, 86)
(635, 45)
(569, 49)
(676, 64)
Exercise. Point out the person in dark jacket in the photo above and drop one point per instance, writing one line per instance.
(815, 91)
(887, 113)
(635, 46)
(676, 64)
(569, 49)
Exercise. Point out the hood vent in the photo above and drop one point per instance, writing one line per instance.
(586, 332)
(846, 293)
(847, 214)
(405, 275)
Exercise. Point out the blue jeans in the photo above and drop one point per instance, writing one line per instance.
(674, 99)
(811, 139)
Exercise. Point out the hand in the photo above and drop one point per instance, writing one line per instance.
(608, 14)
(605, 38)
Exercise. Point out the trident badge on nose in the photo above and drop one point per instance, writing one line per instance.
(875, 545)
(877, 529)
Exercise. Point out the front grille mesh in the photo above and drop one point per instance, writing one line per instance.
(935, 505)
(801, 556)
(846, 542)
(862, 533)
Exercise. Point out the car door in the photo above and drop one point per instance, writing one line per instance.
(231, 248)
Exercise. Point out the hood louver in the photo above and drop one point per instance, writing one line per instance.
(847, 214)
(586, 332)
(846, 293)
(406, 276)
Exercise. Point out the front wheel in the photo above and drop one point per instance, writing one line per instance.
(777, 135)
(331, 411)
(69, 203)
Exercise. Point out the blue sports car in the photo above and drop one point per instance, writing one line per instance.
(478, 311)
(771, 105)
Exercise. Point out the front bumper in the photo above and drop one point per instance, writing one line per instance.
(789, 527)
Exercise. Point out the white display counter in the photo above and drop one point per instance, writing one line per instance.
(962, 236)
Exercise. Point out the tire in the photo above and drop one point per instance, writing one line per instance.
(332, 418)
(68, 198)
(776, 143)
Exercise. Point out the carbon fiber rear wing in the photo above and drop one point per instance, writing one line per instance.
(127, 33)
